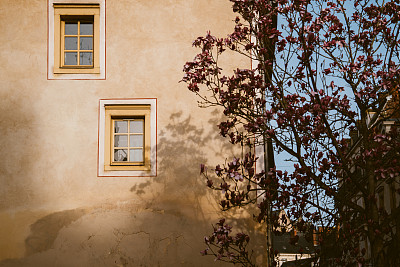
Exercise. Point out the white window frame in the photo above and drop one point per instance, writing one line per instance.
(102, 169)
(52, 45)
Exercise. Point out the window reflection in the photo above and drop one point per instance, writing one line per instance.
(78, 42)
(128, 135)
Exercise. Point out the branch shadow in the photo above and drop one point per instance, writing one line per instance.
(183, 146)
(165, 222)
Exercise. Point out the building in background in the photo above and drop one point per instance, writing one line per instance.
(293, 248)
(387, 187)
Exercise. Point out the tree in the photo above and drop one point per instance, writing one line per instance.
(322, 71)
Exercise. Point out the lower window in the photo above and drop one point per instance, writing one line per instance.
(129, 135)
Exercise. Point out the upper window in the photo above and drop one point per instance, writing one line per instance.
(77, 41)
(76, 38)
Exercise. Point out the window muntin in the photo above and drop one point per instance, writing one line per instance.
(128, 141)
(77, 41)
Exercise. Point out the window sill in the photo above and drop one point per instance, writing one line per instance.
(76, 70)
(127, 168)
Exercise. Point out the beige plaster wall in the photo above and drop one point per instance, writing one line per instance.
(54, 210)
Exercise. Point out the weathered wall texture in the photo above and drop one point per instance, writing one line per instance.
(54, 210)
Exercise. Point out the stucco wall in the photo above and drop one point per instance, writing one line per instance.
(54, 210)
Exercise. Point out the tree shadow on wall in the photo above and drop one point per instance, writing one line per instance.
(225, 149)
(180, 191)
(182, 147)
(165, 228)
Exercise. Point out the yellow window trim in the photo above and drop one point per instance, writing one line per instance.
(70, 10)
(126, 111)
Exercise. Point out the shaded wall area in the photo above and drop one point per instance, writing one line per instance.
(165, 227)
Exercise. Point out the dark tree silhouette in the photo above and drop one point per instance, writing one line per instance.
(322, 72)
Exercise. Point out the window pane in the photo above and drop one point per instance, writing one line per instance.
(86, 43)
(71, 43)
(120, 155)
(136, 140)
(86, 28)
(120, 127)
(71, 28)
(136, 126)
(136, 155)
(121, 140)
(86, 58)
(71, 58)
